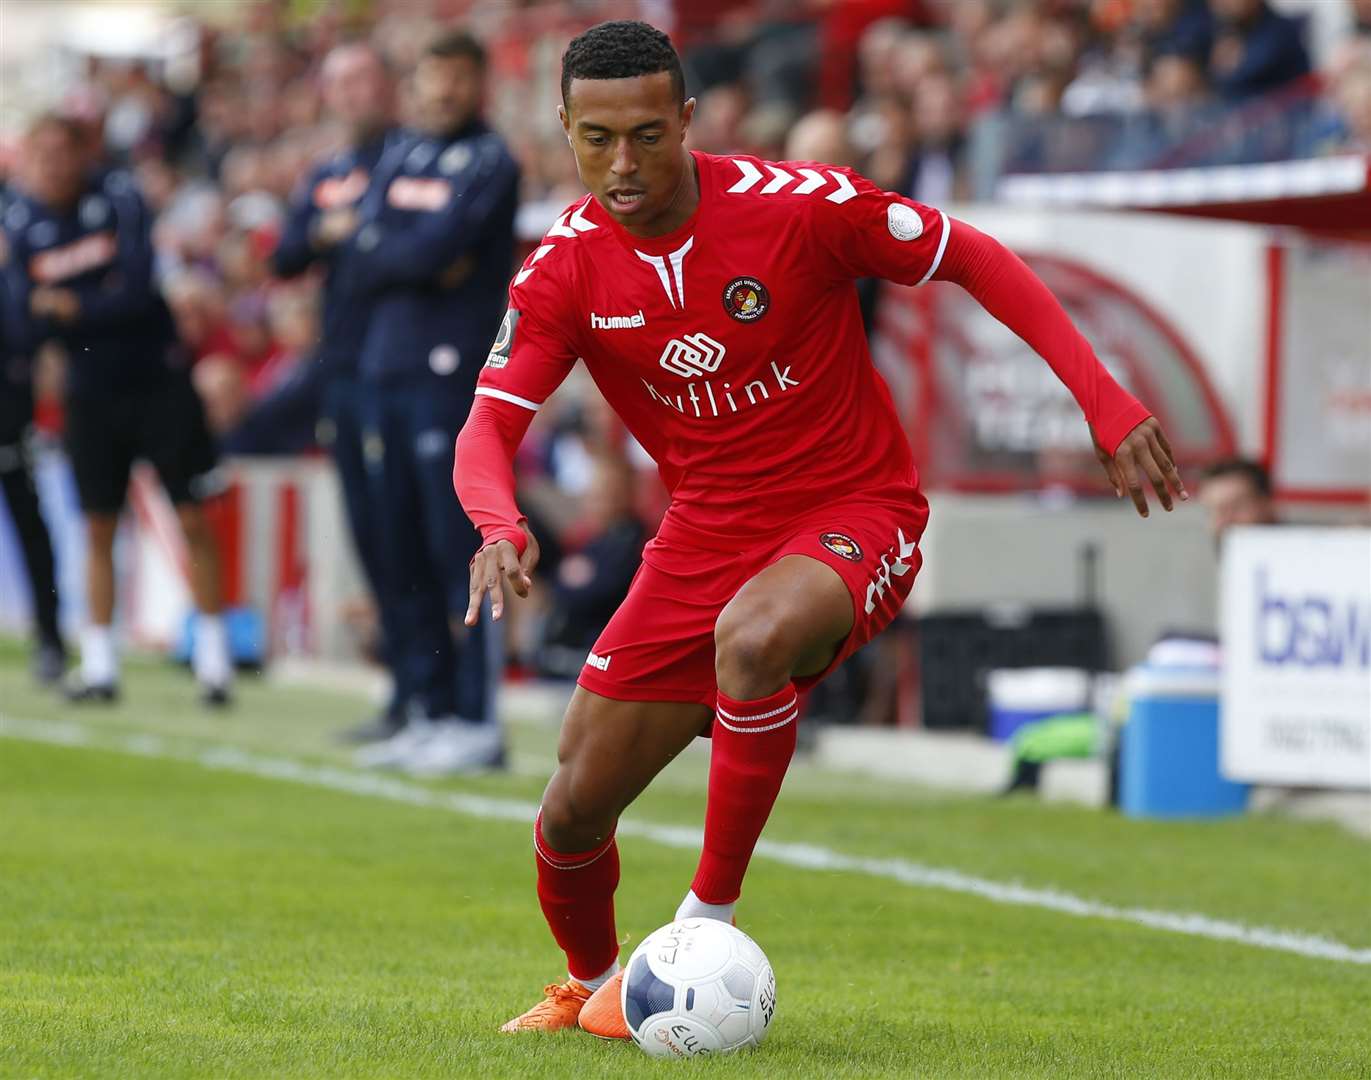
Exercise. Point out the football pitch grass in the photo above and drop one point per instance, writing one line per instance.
(166, 909)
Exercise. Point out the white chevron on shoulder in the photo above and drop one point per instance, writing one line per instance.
(571, 223)
(751, 174)
(578, 220)
(842, 188)
(782, 178)
(845, 189)
(528, 268)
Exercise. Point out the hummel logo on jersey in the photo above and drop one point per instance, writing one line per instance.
(617, 322)
(692, 355)
(600, 663)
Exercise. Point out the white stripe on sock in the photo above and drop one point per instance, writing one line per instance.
(750, 730)
(757, 716)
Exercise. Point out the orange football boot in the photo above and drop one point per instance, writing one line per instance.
(603, 1014)
(561, 1006)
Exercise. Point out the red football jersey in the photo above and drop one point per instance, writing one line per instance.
(733, 348)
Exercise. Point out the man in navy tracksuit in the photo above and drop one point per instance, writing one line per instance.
(21, 497)
(80, 271)
(323, 215)
(433, 253)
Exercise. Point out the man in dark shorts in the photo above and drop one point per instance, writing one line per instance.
(80, 271)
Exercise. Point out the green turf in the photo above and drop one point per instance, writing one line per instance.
(158, 918)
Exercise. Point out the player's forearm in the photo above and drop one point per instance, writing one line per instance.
(1017, 297)
(483, 472)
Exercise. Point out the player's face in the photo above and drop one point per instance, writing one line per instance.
(356, 88)
(54, 165)
(628, 137)
(447, 92)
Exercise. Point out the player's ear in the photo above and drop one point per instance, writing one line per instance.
(687, 111)
(566, 121)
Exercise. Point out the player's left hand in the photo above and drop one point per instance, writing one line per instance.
(1144, 450)
(496, 564)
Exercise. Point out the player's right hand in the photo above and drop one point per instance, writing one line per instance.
(495, 564)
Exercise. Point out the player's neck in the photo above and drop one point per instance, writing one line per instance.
(678, 211)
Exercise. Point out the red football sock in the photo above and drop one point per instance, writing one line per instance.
(753, 744)
(576, 892)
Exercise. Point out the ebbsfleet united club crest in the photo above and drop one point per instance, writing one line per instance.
(746, 299)
(843, 546)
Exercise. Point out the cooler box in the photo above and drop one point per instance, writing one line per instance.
(1169, 749)
(1018, 696)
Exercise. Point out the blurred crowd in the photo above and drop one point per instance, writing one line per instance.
(933, 98)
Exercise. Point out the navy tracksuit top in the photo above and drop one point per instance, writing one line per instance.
(101, 249)
(433, 254)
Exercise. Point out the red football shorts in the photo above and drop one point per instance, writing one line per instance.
(659, 646)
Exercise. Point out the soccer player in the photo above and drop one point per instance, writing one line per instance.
(712, 301)
(80, 271)
(358, 92)
(432, 253)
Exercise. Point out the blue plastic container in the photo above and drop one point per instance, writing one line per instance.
(1169, 750)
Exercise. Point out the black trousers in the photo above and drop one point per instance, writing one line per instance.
(16, 480)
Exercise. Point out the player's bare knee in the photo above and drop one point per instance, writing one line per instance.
(577, 814)
(753, 651)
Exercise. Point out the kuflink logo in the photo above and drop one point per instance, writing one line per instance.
(1312, 630)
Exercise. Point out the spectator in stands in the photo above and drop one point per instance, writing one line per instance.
(1255, 49)
(1237, 492)
(593, 578)
(820, 136)
(1174, 28)
(935, 167)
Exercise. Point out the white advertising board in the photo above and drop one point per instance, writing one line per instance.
(1296, 631)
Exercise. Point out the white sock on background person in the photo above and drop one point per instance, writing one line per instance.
(210, 653)
(99, 664)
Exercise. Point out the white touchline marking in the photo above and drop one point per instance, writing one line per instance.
(804, 856)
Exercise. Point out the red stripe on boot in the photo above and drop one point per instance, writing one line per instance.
(753, 744)
(576, 893)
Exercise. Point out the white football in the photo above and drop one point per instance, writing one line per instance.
(698, 986)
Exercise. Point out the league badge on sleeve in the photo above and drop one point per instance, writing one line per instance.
(903, 221)
(504, 340)
(746, 299)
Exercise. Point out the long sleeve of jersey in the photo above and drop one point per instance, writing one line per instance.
(1017, 297)
(868, 232)
(529, 359)
(483, 472)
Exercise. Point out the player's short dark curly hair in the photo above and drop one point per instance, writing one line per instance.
(621, 50)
